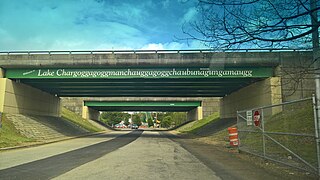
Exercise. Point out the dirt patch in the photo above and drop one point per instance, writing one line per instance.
(245, 166)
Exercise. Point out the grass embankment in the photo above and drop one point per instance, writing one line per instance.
(295, 119)
(9, 136)
(194, 126)
(77, 119)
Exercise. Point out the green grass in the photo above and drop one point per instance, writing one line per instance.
(77, 119)
(196, 125)
(9, 136)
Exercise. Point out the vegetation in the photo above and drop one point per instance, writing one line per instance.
(126, 122)
(9, 136)
(197, 125)
(296, 119)
(77, 119)
(112, 118)
(137, 118)
(167, 119)
(166, 122)
(171, 118)
(150, 122)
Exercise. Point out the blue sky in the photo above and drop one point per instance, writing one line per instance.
(94, 24)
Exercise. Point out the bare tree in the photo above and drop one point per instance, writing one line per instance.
(237, 24)
(246, 24)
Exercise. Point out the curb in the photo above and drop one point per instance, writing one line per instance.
(53, 141)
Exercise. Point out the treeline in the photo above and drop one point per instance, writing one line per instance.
(163, 119)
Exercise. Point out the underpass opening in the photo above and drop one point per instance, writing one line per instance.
(161, 106)
(193, 109)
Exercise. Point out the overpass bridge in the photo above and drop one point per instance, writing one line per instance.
(33, 82)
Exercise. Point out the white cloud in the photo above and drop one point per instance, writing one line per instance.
(50, 26)
(190, 15)
(170, 46)
(153, 46)
(86, 24)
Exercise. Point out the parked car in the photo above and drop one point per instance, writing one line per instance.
(134, 126)
(120, 126)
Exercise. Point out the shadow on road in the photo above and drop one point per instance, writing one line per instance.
(59, 164)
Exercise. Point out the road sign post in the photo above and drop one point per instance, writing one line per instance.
(249, 118)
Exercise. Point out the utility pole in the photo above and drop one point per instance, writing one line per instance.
(316, 56)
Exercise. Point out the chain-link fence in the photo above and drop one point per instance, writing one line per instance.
(287, 133)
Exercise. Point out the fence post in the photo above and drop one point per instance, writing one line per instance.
(317, 129)
(238, 131)
(263, 134)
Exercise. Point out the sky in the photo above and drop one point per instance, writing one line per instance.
(95, 24)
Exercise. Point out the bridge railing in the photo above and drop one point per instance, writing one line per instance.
(148, 51)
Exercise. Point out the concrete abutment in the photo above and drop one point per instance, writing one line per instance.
(18, 98)
(1, 73)
(89, 113)
(262, 93)
(195, 114)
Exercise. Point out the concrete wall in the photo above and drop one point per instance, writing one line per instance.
(1, 73)
(89, 113)
(17, 98)
(195, 114)
(2, 93)
(297, 77)
(210, 106)
(74, 104)
(152, 59)
(262, 93)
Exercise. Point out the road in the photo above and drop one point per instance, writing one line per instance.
(123, 155)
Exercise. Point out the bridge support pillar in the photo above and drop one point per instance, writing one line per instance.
(89, 113)
(210, 106)
(195, 114)
(1, 73)
(18, 98)
(262, 93)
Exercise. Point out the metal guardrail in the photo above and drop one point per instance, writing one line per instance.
(149, 51)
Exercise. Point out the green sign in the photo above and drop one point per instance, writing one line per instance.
(67, 73)
(142, 103)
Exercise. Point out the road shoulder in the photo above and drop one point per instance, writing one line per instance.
(228, 163)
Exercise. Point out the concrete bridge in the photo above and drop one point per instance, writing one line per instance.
(34, 82)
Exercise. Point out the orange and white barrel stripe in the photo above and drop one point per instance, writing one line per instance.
(233, 136)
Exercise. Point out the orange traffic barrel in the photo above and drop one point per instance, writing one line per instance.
(233, 136)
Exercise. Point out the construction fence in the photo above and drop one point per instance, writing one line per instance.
(287, 133)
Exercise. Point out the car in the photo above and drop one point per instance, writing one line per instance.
(120, 125)
(134, 126)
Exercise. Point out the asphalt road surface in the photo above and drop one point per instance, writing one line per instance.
(119, 155)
